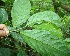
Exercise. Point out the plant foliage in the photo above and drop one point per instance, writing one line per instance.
(37, 28)
(46, 43)
(3, 15)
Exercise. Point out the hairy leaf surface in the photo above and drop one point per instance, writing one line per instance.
(45, 42)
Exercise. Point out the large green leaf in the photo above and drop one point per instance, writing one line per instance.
(47, 16)
(20, 12)
(45, 42)
(3, 15)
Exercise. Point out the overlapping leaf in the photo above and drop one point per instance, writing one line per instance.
(46, 42)
(20, 12)
(47, 16)
(49, 27)
(46, 38)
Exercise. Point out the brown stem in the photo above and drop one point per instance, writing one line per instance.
(55, 5)
(65, 7)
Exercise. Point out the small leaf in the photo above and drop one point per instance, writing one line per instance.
(17, 37)
(21, 49)
(67, 40)
(36, 0)
(66, 26)
(4, 0)
(22, 53)
(3, 15)
(6, 52)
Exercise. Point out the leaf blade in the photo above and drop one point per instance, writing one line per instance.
(20, 10)
(45, 43)
(47, 16)
(3, 15)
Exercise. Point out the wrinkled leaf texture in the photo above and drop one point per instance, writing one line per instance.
(45, 42)
(47, 16)
(46, 37)
(20, 12)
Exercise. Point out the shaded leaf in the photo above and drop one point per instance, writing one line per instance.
(5, 52)
(4, 0)
(17, 37)
(22, 53)
(67, 40)
(3, 15)
(66, 26)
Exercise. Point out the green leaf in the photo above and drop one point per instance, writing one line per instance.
(22, 53)
(5, 52)
(4, 0)
(3, 15)
(47, 16)
(36, 0)
(21, 49)
(20, 12)
(11, 29)
(67, 40)
(17, 37)
(49, 27)
(41, 0)
(66, 26)
(45, 42)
